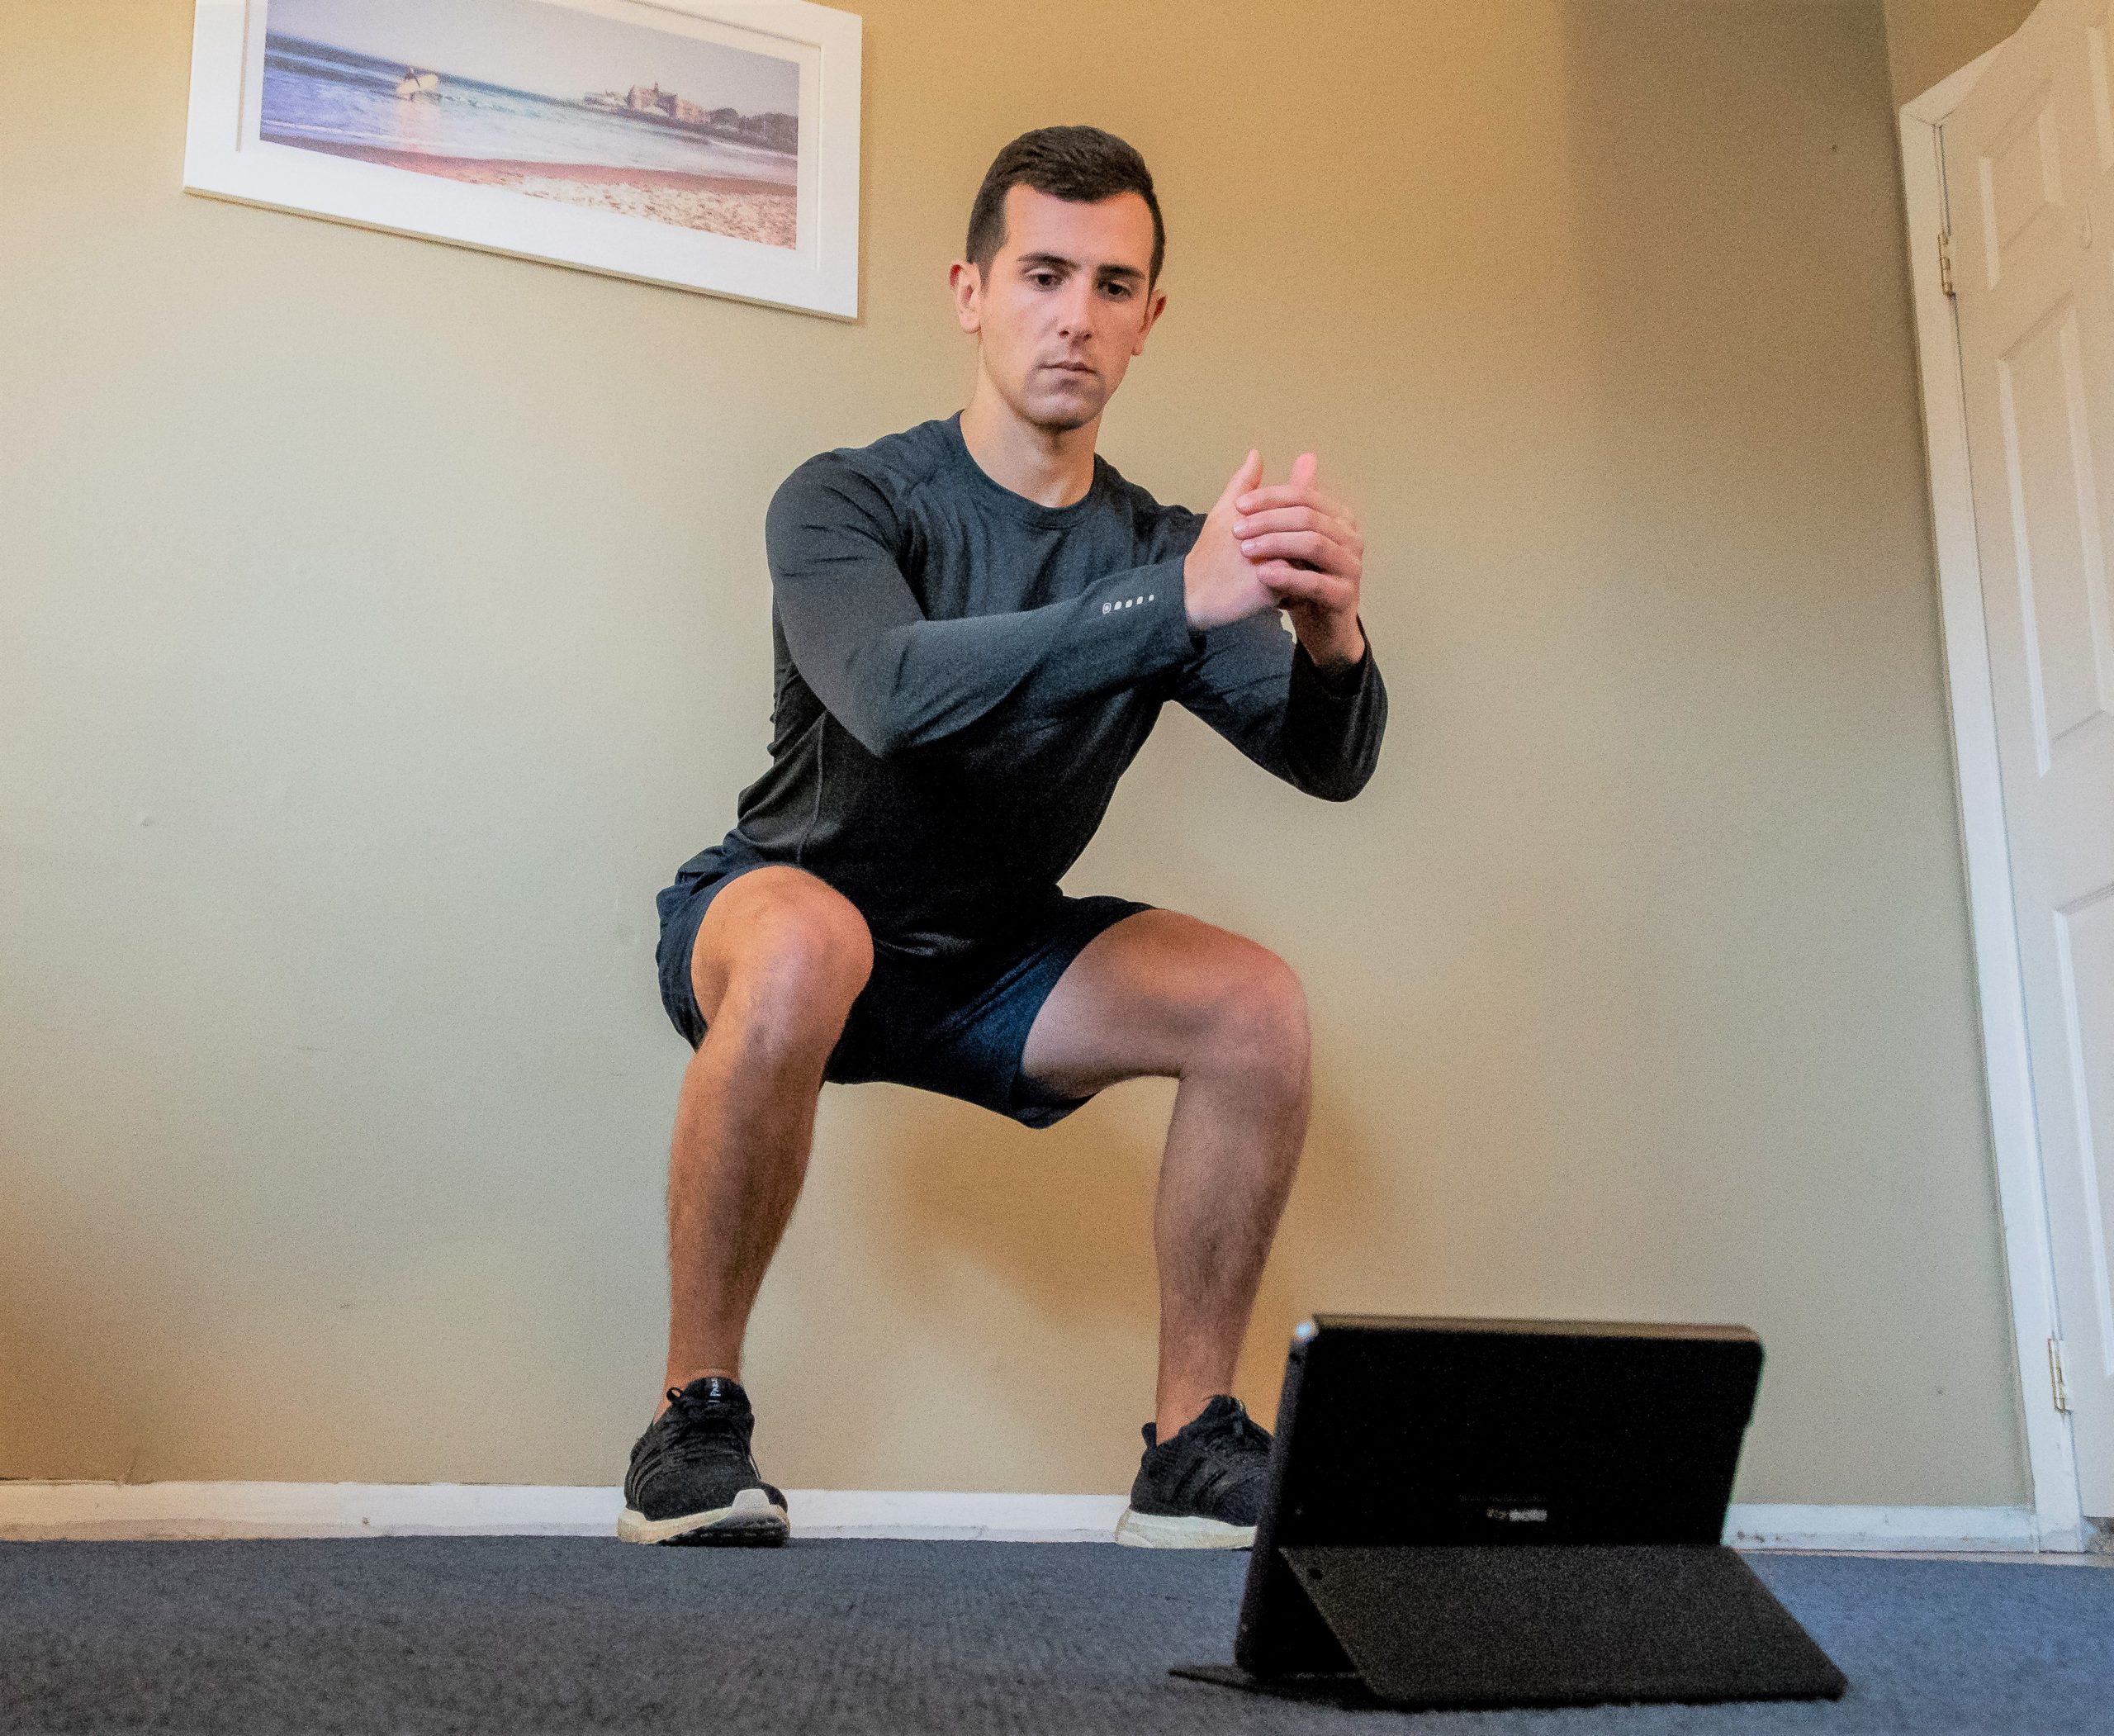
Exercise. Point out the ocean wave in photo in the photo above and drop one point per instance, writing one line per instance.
(598, 154)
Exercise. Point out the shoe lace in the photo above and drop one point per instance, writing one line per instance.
(707, 1424)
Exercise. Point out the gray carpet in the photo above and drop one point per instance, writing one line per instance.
(533, 1634)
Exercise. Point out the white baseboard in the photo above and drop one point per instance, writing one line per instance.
(32, 1511)
(1978, 1529)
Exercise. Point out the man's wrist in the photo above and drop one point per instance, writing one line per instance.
(1339, 655)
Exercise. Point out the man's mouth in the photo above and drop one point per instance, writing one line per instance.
(1069, 368)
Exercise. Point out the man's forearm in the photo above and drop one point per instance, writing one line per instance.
(899, 682)
(1333, 723)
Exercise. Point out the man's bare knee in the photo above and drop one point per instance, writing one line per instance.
(1259, 1027)
(786, 959)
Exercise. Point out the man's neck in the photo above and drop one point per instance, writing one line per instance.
(1053, 467)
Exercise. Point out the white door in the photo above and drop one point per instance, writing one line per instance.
(2029, 161)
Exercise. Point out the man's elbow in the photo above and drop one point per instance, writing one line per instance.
(1339, 779)
(885, 738)
(1339, 786)
(891, 733)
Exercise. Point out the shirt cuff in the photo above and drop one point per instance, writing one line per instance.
(1160, 593)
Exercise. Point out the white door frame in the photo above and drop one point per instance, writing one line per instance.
(2021, 1194)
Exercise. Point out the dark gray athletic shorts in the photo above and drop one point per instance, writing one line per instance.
(956, 1026)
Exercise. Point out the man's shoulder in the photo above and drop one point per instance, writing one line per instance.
(894, 466)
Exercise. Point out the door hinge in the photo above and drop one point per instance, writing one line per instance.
(2056, 1385)
(1945, 261)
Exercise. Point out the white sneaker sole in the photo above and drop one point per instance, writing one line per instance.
(752, 1518)
(1168, 1531)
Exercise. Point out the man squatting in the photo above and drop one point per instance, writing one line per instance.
(976, 622)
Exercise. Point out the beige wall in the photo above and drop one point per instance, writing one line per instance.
(383, 621)
(1926, 39)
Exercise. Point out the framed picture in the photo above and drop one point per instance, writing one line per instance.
(708, 144)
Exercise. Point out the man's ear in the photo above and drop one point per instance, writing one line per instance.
(967, 282)
(1153, 309)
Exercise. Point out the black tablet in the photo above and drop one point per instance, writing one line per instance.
(1434, 1483)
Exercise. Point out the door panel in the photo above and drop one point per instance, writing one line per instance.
(2022, 181)
(2084, 950)
(2062, 573)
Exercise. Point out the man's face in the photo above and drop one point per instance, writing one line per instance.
(1064, 305)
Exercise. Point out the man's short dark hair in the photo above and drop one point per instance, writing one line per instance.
(1078, 162)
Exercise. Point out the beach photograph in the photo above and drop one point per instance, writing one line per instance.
(545, 101)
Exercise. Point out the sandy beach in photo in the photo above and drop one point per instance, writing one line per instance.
(726, 205)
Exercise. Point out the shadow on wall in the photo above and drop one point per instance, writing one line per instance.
(1054, 1230)
(1792, 937)
(89, 1431)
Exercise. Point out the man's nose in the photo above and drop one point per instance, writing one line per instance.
(1075, 319)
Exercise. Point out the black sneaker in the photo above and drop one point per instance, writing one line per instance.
(693, 1479)
(1203, 1489)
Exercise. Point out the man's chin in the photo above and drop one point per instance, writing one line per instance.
(1055, 402)
(1061, 411)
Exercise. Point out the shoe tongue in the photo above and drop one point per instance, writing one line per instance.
(715, 1389)
(1221, 1407)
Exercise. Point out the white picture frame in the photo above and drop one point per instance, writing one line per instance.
(227, 154)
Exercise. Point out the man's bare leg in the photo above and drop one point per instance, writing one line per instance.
(1159, 993)
(779, 958)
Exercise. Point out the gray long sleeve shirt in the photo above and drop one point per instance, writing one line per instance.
(963, 674)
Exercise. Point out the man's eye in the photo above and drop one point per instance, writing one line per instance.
(1117, 290)
(1044, 279)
